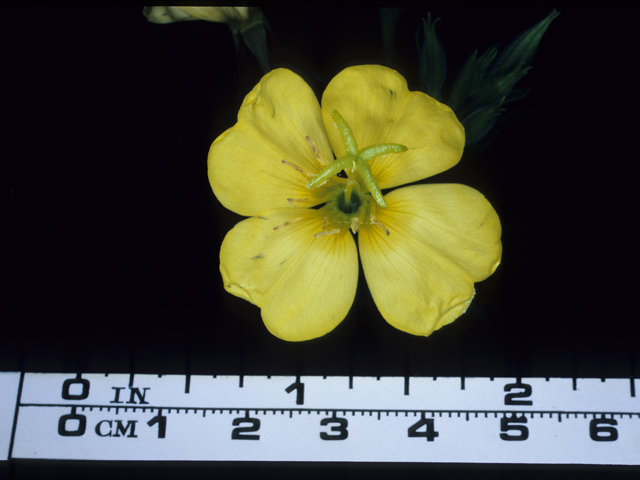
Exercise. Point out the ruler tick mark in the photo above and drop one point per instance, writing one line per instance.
(632, 385)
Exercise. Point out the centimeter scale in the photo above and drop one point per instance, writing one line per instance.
(362, 419)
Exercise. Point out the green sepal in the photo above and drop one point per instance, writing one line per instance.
(482, 74)
(433, 63)
(254, 36)
(521, 50)
(478, 78)
(478, 123)
(516, 94)
(463, 83)
(500, 88)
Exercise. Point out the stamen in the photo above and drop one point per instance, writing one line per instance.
(327, 232)
(289, 222)
(355, 224)
(325, 222)
(291, 200)
(299, 169)
(379, 223)
(316, 153)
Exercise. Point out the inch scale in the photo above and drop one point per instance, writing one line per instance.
(333, 419)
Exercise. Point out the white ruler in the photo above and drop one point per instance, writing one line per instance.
(363, 419)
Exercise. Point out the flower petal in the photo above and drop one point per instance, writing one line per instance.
(231, 15)
(378, 106)
(304, 285)
(245, 162)
(442, 239)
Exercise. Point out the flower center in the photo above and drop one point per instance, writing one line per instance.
(356, 161)
(348, 207)
(348, 203)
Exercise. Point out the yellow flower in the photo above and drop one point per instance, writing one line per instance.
(422, 247)
(231, 15)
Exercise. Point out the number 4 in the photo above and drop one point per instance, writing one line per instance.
(429, 432)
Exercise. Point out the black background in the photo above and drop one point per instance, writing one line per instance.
(111, 232)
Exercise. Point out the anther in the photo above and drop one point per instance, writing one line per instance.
(291, 200)
(316, 153)
(299, 169)
(355, 224)
(378, 223)
(289, 222)
(328, 232)
(325, 222)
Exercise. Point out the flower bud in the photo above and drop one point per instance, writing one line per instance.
(433, 64)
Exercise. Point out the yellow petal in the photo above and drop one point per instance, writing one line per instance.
(304, 285)
(245, 162)
(442, 239)
(231, 15)
(379, 108)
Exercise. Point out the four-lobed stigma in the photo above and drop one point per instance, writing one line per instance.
(352, 201)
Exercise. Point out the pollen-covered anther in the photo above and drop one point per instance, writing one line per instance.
(291, 200)
(288, 222)
(316, 153)
(333, 231)
(299, 169)
(355, 224)
(377, 222)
